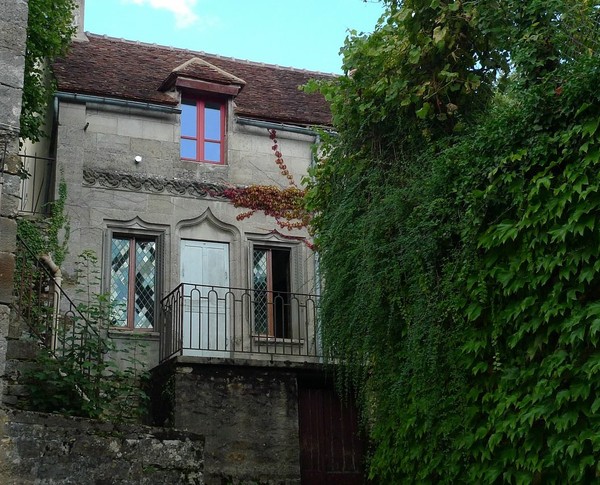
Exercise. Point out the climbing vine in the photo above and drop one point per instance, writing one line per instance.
(49, 32)
(49, 235)
(456, 216)
(285, 205)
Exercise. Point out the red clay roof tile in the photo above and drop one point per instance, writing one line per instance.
(135, 71)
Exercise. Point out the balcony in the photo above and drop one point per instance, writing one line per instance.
(239, 323)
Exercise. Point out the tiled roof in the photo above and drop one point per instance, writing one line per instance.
(130, 70)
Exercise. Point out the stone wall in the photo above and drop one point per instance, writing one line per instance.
(13, 25)
(248, 414)
(51, 449)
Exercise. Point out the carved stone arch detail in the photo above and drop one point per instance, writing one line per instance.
(208, 227)
(275, 237)
(297, 250)
(207, 217)
(136, 223)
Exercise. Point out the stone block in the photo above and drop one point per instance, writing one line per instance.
(17, 390)
(159, 131)
(12, 63)
(160, 204)
(143, 146)
(8, 235)
(113, 142)
(21, 350)
(7, 273)
(100, 123)
(10, 400)
(72, 114)
(129, 126)
(10, 205)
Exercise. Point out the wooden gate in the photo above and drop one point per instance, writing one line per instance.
(331, 449)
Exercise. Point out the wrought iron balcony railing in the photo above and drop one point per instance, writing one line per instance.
(214, 321)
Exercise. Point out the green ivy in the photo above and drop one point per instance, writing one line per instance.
(51, 234)
(459, 241)
(81, 377)
(49, 32)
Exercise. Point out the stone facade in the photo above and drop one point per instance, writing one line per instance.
(248, 413)
(108, 191)
(41, 448)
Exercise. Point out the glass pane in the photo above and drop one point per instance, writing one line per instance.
(188, 148)
(119, 281)
(145, 276)
(212, 152)
(259, 280)
(188, 119)
(212, 121)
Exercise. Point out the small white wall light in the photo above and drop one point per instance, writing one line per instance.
(137, 159)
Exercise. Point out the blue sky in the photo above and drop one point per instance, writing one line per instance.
(305, 34)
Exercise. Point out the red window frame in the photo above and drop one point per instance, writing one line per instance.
(200, 139)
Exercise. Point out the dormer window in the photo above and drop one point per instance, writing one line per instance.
(203, 130)
(205, 90)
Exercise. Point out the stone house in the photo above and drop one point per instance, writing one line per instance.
(147, 140)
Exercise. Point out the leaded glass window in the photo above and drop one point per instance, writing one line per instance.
(133, 281)
(261, 300)
(271, 284)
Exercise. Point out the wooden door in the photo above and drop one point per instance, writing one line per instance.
(205, 321)
(331, 448)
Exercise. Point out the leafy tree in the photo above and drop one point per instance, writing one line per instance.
(456, 216)
(49, 32)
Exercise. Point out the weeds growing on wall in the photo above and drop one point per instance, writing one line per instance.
(81, 376)
(49, 235)
(457, 219)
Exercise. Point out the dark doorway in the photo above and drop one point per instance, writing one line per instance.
(331, 448)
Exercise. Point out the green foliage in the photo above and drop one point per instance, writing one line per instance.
(80, 376)
(461, 250)
(51, 234)
(49, 31)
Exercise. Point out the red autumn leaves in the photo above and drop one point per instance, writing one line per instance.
(285, 205)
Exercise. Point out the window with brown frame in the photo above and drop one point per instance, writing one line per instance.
(133, 281)
(271, 284)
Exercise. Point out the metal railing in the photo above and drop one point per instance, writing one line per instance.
(52, 318)
(35, 183)
(216, 321)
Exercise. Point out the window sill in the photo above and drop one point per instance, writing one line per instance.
(209, 162)
(267, 340)
(133, 334)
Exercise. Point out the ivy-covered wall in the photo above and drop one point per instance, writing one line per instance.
(456, 214)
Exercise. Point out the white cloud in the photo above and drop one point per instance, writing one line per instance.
(182, 9)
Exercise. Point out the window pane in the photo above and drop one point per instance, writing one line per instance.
(212, 152)
(212, 121)
(145, 258)
(188, 119)
(259, 280)
(188, 148)
(119, 280)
